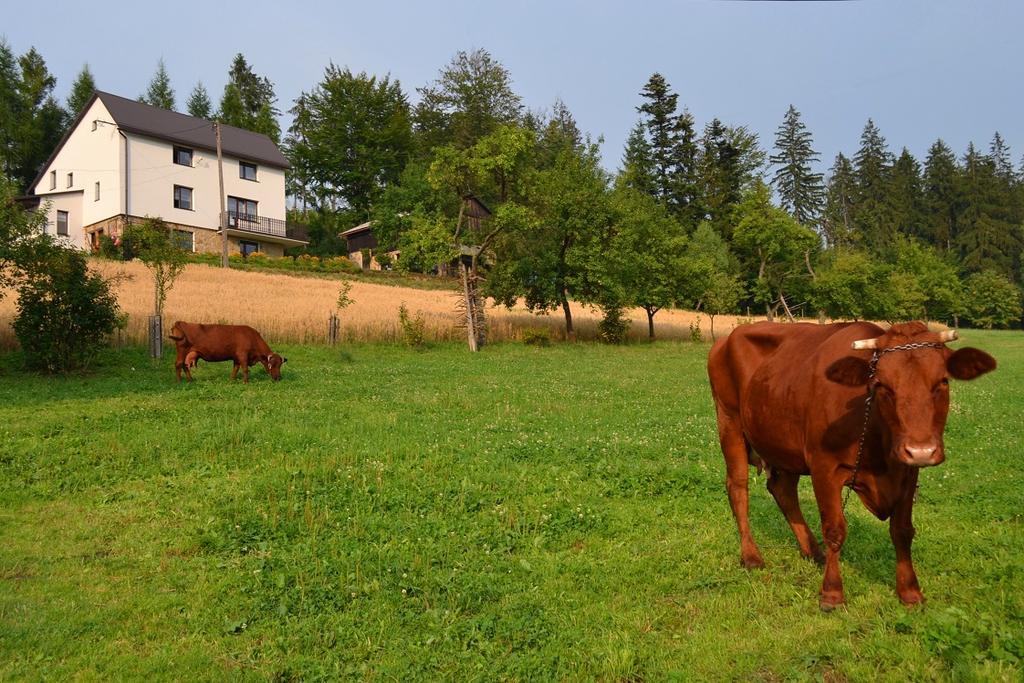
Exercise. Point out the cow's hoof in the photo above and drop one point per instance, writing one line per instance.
(818, 557)
(829, 601)
(912, 598)
(752, 562)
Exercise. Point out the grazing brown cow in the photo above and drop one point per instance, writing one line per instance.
(799, 399)
(214, 343)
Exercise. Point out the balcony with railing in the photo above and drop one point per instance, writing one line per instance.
(263, 226)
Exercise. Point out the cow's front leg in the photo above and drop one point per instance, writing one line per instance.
(244, 360)
(901, 530)
(828, 490)
(234, 370)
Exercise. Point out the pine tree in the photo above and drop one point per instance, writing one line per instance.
(637, 162)
(39, 120)
(872, 167)
(942, 204)
(906, 196)
(248, 101)
(9, 108)
(988, 238)
(801, 190)
(199, 104)
(840, 203)
(999, 153)
(673, 150)
(718, 170)
(160, 93)
(81, 91)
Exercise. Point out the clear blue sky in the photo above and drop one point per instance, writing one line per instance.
(921, 68)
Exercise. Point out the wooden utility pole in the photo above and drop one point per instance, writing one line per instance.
(223, 209)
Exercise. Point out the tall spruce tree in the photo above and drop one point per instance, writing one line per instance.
(249, 101)
(801, 191)
(81, 91)
(673, 150)
(720, 176)
(906, 196)
(160, 93)
(840, 204)
(637, 170)
(872, 223)
(942, 203)
(988, 238)
(999, 153)
(199, 102)
(9, 110)
(39, 120)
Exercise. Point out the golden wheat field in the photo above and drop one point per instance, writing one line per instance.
(288, 308)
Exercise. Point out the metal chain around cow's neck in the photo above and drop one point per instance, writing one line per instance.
(869, 400)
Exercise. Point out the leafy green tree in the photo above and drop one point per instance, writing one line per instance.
(471, 97)
(936, 277)
(873, 224)
(845, 285)
(199, 104)
(840, 204)
(991, 300)
(554, 133)
(153, 242)
(81, 91)
(549, 256)
(17, 230)
(774, 244)
(643, 260)
(673, 146)
(352, 138)
(249, 101)
(942, 201)
(800, 189)
(159, 93)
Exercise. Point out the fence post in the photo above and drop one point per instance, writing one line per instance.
(333, 324)
(156, 337)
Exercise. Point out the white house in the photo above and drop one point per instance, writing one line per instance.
(123, 160)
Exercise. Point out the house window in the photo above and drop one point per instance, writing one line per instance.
(62, 223)
(96, 198)
(242, 208)
(53, 180)
(71, 179)
(246, 171)
(183, 156)
(182, 197)
(247, 247)
(184, 239)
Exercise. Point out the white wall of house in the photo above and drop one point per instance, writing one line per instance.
(71, 202)
(90, 156)
(154, 175)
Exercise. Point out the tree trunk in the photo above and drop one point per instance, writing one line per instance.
(650, 323)
(712, 327)
(570, 333)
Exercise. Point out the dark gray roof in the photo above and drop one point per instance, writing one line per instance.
(132, 116)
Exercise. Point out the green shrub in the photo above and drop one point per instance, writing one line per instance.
(109, 248)
(695, 334)
(340, 264)
(413, 328)
(537, 336)
(65, 313)
(384, 260)
(614, 326)
(365, 253)
(991, 300)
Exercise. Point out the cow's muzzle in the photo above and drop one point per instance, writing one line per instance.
(921, 455)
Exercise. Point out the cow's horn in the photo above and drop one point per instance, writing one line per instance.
(866, 344)
(948, 336)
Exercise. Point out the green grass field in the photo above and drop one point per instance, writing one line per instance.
(519, 514)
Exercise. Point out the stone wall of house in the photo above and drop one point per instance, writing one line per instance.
(203, 241)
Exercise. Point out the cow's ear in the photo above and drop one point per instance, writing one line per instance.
(968, 363)
(849, 371)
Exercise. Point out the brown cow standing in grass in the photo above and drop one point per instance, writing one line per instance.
(215, 343)
(799, 399)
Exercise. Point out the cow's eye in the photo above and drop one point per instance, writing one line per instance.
(943, 383)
